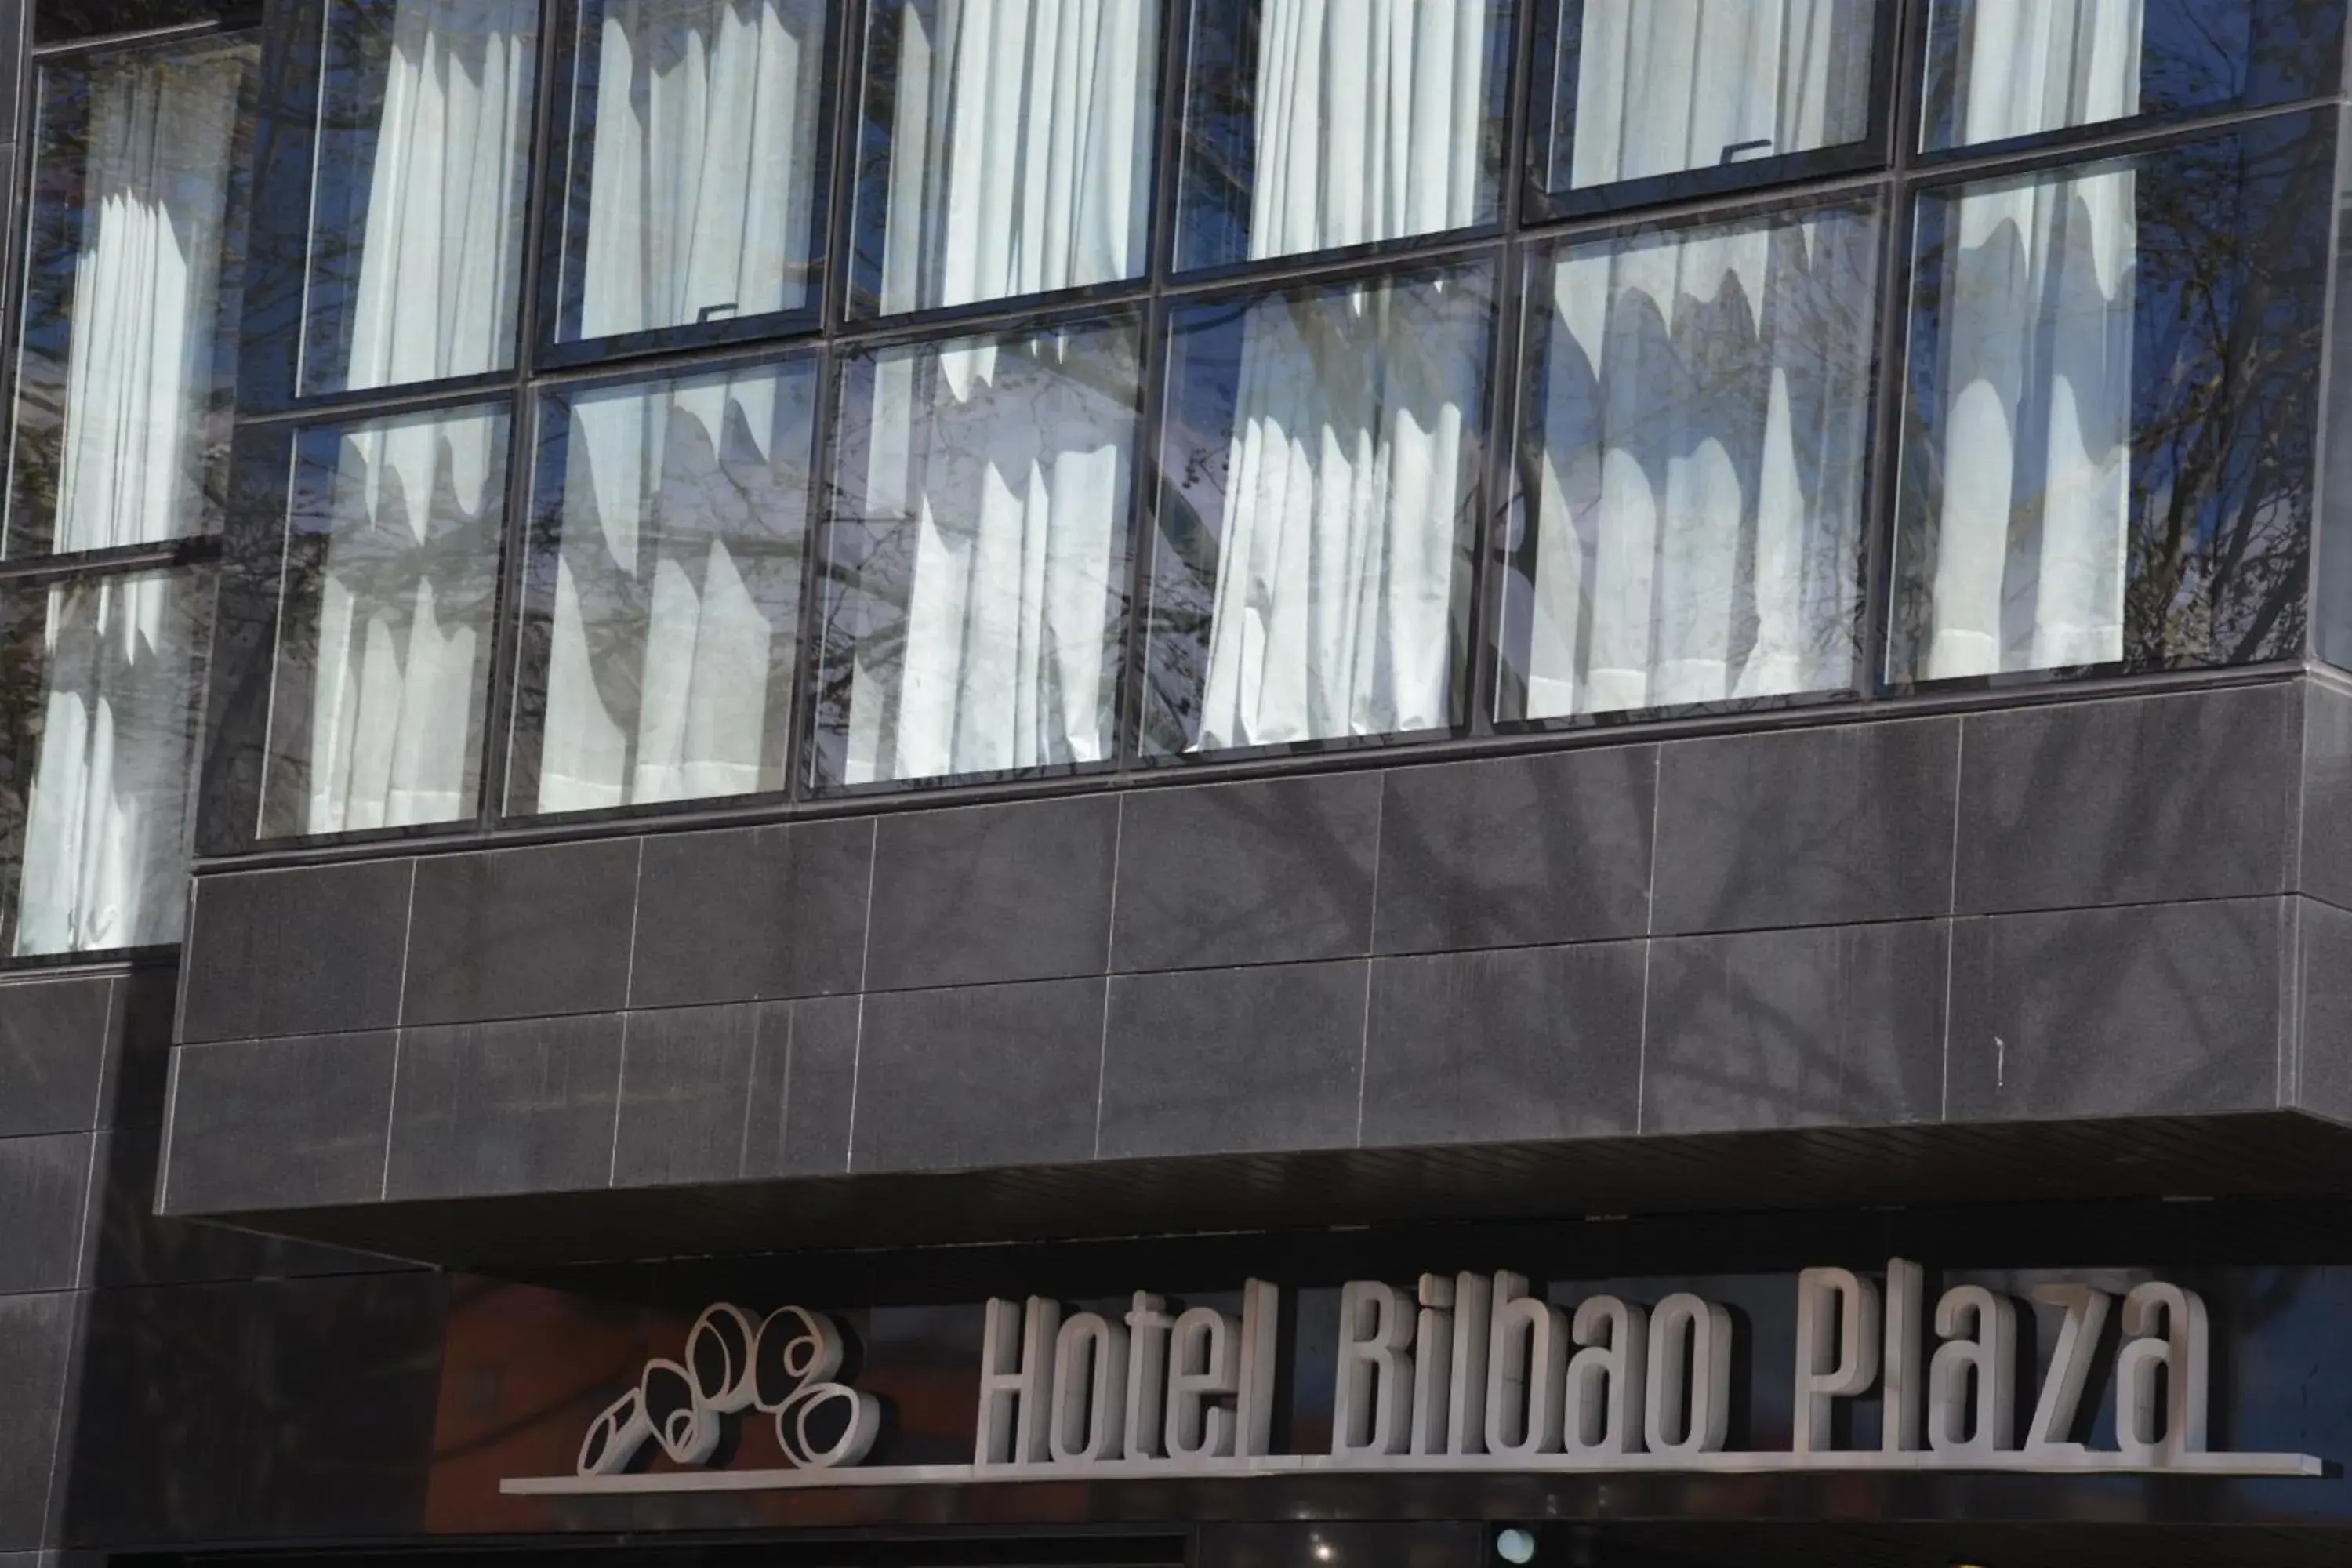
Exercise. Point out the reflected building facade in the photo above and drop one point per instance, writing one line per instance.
(1178, 783)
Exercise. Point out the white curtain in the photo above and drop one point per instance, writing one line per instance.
(437, 288)
(996, 496)
(404, 595)
(106, 815)
(2030, 66)
(1346, 472)
(2035, 329)
(1698, 490)
(1371, 121)
(1351, 462)
(1664, 86)
(139, 438)
(1020, 149)
(675, 592)
(701, 177)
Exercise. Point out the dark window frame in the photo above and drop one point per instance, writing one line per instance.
(540, 450)
(1514, 544)
(2312, 151)
(553, 198)
(1525, 224)
(1551, 106)
(193, 557)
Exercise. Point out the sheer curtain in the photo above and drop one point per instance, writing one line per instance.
(1020, 147)
(1351, 462)
(139, 438)
(404, 594)
(1371, 120)
(2029, 66)
(1335, 575)
(1664, 86)
(701, 175)
(1699, 489)
(994, 511)
(437, 288)
(106, 814)
(675, 594)
(2035, 321)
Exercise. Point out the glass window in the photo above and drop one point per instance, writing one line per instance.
(2108, 435)
(692, 178)
(975, 561)
(1008, 148)
(2000, 70)
(99, 730)
(416, 208)
(1693, 457)
(661, 597)
(1311, 126)
(1318, 496)
(128, 362)
(390, 566)
(1697, 94)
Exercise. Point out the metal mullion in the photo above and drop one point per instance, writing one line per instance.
(65, 48)
(1938, 169)
(1891, 373)
(808, 675)
(2036, 691)
(1506, 359)
(383, 403)
(163, 555)
(847, 54)
(541, 177)
(1170, 103)
(992, 318)
(1143, 522)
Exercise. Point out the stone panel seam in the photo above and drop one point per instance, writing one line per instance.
(399, 1035)
(110, 1070)
(865, 962)
(1110, 943)
(84, 1265)
(1649, 940)
(1372, 946)
(2297, 713)
(629, 972)
(621, 1085)
(1951, 914)
(171, 1127)
(866, 937)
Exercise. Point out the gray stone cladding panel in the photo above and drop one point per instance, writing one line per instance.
(2144, 800)
(1840, 826)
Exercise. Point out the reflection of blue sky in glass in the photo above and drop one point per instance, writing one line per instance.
(2161, 59)
(2224, 285)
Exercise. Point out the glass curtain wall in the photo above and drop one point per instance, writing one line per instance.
(124, 370)
(1143, 383)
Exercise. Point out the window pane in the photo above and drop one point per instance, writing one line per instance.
(662, 596)
(692, 177)
(2004, 68)
(1646, 89)
(1008, 148)
(129, 360)
(100, 733)
(975, 562)
(1311, 126)
(384, 618)
(1696, 430)
(1318, 491)
(417, 205)
(2108, 444)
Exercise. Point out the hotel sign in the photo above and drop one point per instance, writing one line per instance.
(1473, 1372)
